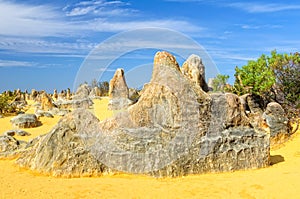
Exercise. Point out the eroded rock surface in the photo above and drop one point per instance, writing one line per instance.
(175, 128)
(10, 146)
(65, 151)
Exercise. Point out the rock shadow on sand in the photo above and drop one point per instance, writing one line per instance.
(275, 159)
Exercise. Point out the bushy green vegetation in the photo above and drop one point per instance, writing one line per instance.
(256, 77)
(286, 69)
(275, 77)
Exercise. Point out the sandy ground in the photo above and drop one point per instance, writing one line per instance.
(281, 180)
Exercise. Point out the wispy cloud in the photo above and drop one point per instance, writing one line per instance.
(40, 46)
(263, 7)
(11, 63)
(43, 21)
(255, 27)
(42, 29)
(99, 8)
(251, 7)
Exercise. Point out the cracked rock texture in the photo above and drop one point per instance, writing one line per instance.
(174, 129)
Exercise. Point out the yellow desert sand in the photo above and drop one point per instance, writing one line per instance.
(281, 180)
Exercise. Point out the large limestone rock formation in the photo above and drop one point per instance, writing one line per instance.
(174, 129)
(118, 91)
(194, 69)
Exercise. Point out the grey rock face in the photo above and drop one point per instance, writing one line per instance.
(253, 103)
(8, 143)
(25, 121)
(65, 150)
(254, 106)
(233, 149)
(229, 144)
(82, 91)
(277, 121)
(9, 146)
(81, 98)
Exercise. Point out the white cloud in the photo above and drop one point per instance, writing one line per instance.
(262, 7)
(37, 45)
(253, 7)
(27, 20)
(230, 55)
(11, 63)
(103, 25)
(99, 8)
(26, 28)
(255, 27)
(43, 21)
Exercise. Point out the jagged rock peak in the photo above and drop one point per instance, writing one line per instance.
(194, 70)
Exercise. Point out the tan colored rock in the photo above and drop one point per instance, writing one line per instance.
(20, 100)
(117, 85)
(55, 94)
(62, 95)
(235, 112)
(33, 94)
(95, 92)
(118, 91)
(277, 122)
(69, 94)
(194, 69)
(25, 121)
(63, 151)
(46, 102)
(174, 129)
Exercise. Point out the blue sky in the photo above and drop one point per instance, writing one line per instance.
(44, 43)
